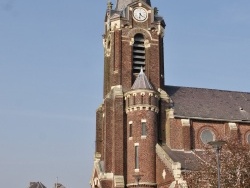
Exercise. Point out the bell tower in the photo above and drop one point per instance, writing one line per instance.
(133, 39)
(133, 53)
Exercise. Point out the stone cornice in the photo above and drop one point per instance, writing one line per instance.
(142, 107)
(142, 91)
(141, 184)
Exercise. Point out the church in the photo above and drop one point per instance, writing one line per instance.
(145, 129)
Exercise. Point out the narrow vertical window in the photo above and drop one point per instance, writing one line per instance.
(143, 128)
(136, 157)
(130, 129)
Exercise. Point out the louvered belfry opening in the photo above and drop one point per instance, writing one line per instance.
(138, 54)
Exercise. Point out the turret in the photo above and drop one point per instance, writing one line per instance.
(142, 115)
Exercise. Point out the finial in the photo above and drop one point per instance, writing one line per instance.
(109, 5)
(141, 72)
(156, 11)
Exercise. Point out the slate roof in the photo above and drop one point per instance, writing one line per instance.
(188, 160)
(121, 4)
(141, 82)
(209, 103)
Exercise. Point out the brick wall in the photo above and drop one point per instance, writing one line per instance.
(184, 137)
(163, 179)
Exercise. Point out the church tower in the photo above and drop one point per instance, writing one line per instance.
(127, 123)
(147, 132)
(133, 39)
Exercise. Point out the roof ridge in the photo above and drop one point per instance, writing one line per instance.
(222, 90)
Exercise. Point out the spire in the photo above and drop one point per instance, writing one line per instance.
(141, 82)
(121, 4)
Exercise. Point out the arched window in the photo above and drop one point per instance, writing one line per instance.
(138, 54)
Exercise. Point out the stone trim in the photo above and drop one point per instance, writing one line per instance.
(170, 113)
(150, 92)
(143, 137)
(174, 167)
(137, 170)
(164, 95)
(141, 184)
(101, 175)
(233, 126)
(185, 122)
(134, 31)
(179, 184)
(211, 119)
(142, 107)
(119, 181)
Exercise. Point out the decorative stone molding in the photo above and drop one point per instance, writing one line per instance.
(149, 91)
(119, 181)
(142, 93)
(98, 168)
(233, 126)
(179, 184)
(164, 174)
(132, 41)
(95, 183)
(97, 156)
(142, 107)
(147, 184)
(117, 91)
(115, 24)
(164, 95)
(143, 137)
(174, 167)
(134, 31)
(147, 44)
(170, 113)
(185, 122)
(136, 144)
(107, 46)
(161, 31)
(137, 170)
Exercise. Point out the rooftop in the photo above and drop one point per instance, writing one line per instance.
(209, 103)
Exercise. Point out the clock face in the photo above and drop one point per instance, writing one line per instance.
(140, 14)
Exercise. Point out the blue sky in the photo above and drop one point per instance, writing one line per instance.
(51, 76)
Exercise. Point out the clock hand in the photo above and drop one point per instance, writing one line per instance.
(142, 15)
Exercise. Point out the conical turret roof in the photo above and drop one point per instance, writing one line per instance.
(141, 82)
(121, 4)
